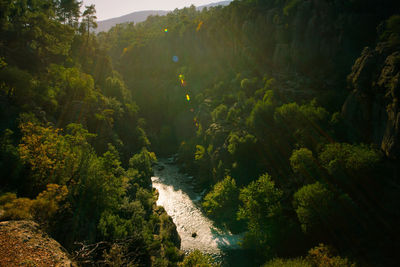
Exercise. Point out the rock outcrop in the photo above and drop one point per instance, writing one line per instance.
(316, 37)
(22, 243)
(372, 109)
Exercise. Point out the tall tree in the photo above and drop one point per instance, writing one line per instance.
(88, 20)
(69, 11)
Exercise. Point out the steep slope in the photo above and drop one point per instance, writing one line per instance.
(22, 243)
(372, 106)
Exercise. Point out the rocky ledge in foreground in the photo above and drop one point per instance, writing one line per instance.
(22, 243)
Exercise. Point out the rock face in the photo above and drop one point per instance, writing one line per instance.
(22, 243)
(321, 36)
(372, 109)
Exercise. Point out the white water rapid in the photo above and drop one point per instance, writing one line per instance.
(177, 197)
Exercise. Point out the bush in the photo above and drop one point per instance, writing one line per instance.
(198, 259)
(17, 209)
(115, 256)
(288, 263)
(261, 208)
(46, 204)
(353, 159)
(322, 256)
(142, 162)
(112, 226)
(304, 165)
(7, 198)
(222, 202)
(47, 153)
(219, 113)
(42, 209)
(313, 204)
(249, 85)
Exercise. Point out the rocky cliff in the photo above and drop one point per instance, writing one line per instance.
(372, 109)
(317, 37)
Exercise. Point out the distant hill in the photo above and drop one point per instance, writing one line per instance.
(140, 16)
(135, 17)
(222, 3)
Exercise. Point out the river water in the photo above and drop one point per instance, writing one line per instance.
(177, 196)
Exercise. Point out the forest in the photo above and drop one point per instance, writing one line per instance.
(285, 112)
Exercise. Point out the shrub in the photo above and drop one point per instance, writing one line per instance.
(340, 157)
(219, 113)
(42, 209)
(222, 202)
(300, 262)
(142, 162)
(198, 259)
(312, 204)
(304, 165)
(7, 197)
(17, 209)
(322, 256)
(46, 204)
(261, 208)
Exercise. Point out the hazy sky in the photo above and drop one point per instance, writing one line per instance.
(107, 9)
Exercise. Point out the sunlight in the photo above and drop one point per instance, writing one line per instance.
(170, 129)
(199, 26)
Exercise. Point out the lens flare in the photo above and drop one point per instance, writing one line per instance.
(187, 97)
(165, 30)
(199, 26)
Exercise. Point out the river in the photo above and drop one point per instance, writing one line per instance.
(177, 196)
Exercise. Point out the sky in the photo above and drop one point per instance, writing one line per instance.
(107, 9)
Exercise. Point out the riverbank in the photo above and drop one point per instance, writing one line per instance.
(178, 198)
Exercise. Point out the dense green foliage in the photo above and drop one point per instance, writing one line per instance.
(256, 88)
(249, 95)
(222, 202)
(197, 259)
(74, 156)
(263, 211)
(320, 256)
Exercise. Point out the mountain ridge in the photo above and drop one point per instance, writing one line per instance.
(140, 16)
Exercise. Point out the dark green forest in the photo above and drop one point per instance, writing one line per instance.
(285, 112)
